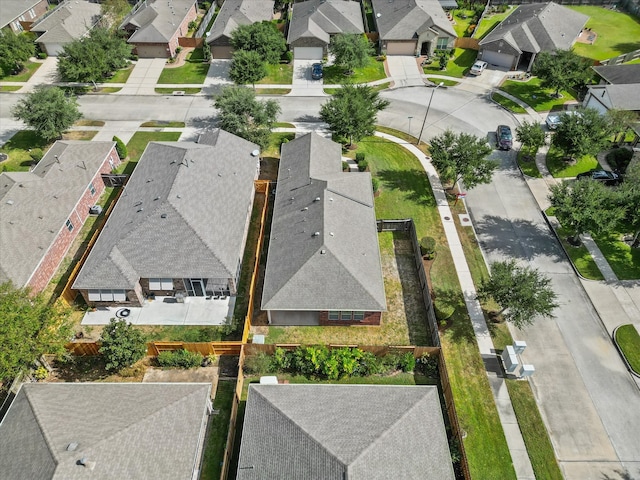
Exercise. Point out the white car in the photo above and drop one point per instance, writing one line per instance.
(478, 67)
(553, 119)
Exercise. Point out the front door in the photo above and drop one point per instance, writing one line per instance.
(195, 287)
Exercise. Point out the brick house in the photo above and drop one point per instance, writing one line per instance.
(43, 210)
(323, 265)
(18, 15)
(154, 26)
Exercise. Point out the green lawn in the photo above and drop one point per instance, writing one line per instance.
(534, 95)
(169, 91)
(272, 91)
(489, 22)
(507, 103)
(217, 441)
(457, 66)
(10, 88)
(528, 164)
(17, 148)
(280, 74)
(624, 260)
(462, 24)
(163, 124)
(122, 75)
(183, 333)
(193, 71)
(617, 32)
(629, 342)
(445, 81)
(580, 256)
(28, 70)
(374, 70)
(139, 142)
(560, 168)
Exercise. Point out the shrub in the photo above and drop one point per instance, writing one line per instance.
(427, 246)
(132, 371)
(381, 58)
(444, 311)
(443, 62)
(375, 183)
(40, 373)
(428, 366)
(42, 55)
(180, 359)
(258, 364)
(345, 167)
(122, 345)
(281, 359)
(619, 158)
(287, 56)
(36, 154)
(363, 165)
(178, 49)
(121, 148)
(192, 25)
(360, 157)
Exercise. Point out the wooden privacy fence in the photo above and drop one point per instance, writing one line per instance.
(82, 348)
(195, 42)
(467, 42)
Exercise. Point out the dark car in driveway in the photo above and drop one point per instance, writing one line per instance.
(316, 71)
(604, 176)
(504, 138)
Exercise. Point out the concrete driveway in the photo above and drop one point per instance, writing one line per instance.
(302, 83)
(144, 77)
(404, 70)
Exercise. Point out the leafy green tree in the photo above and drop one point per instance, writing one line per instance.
(122, 344)
(351, 51)
(263, 37)
(247, 67)
(562, 69)
(585, 206)
(30, 326)
(584, 134)
(92, 58)
(113, 12)
(462, 157)
(121, 148)
(352, 111)
(241, 113)
(48, 111)
(522, 292)
(628, 200)
(532, 137)
(620, 121)
(15, 50)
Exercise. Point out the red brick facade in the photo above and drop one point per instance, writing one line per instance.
(370, 318)
(182, 29)
(29, 16)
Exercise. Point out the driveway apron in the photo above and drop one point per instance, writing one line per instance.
(405, 71)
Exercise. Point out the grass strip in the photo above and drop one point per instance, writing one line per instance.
(629, 342)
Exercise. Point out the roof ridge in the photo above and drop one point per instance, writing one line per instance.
(348, 197)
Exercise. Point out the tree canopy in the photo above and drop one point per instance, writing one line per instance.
(562, 69)
(247, 67)
(122, 344)
(352, 111)
(15, 50)
(263, 37)
(48, 111)
(584, 134)
(351, 50)
(522, 292)
(241, 113)
(30, 326)
(619, 121)
(462, 157)
(531, 135)
(628, 199)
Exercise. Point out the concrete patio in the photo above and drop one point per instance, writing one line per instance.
(166, 311)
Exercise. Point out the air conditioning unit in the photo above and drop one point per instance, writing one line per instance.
(95, 210)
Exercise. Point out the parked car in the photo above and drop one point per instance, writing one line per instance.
(553, 119)
(478, 67)
(604, 176)
(316, 71)
(504, 138)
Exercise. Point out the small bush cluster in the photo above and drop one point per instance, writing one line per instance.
(375, 184)
(120, 148)
(363, 165)
(428, 247)
(180, 359)
(36, 154)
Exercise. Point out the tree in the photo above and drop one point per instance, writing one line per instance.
(122, 345)
(628, 199)
(351, 51)
(532, 137)
(30, 326)
(522, 292)
(247, 67)
(462, 157)
(584, 206)
(263, 37)
(48, 111)
(92, 58)
(620, 121)
(113, 12)
(561, 70)
(583, 134)
(121, 148)
(15, 50)
(352, 111)
(240, 113)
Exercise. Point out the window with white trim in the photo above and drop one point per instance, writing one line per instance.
(92, 189)
(107, 295)
(334, 315)
(69, 225)
(32, 13)
(161, 284)
(443, 43)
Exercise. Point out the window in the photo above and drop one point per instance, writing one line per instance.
(92, 189)
(442, 43)
(345, 315)
(333, 315)
(69, 225)
(107, 295)
(32, 13)
(161, 284)
(358, 316)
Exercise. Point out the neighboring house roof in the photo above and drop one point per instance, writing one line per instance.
(408, 19)
(323, 248)
(70, 21)
(623, 97)
(12, 9)
(156, 21)
(322, 18)
(619, 74)
(539, 27)
(333, 432)
(34, 206)
(182, 215)
(132, 431)
(239, 12)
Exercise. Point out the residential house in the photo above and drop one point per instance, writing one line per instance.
(15, 14)
(625, 96)
(71, 20)
(43, 210)
(529, 30)
(105, 431)
(314, 22)
(412, 27)
(179, 227)
(618, 74)
(334, 432)
(232, 14)
(323, 265)
(154, 26)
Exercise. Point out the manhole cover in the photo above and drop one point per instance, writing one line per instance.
(447, 218)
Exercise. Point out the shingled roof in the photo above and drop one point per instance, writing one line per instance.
(322, 18)
(182, 215)
(539, 27)
(156, 21)
(323, 249)
(625, 96)
(407, 19)
(69, 21)
(122, 430)
(619, 74)
(12, 9)
(333, 432)
(239, 12)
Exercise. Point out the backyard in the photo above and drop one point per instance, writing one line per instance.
(491, 21)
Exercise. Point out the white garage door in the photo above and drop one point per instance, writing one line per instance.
(500, 59)
(308, 53)
(401, 48)
(53, 49)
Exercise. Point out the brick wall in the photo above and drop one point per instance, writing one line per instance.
(182, 29)
(370, 318)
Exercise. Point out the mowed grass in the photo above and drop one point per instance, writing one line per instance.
(139, 142)
(580, 256)
(527, 163)
(507, 103)
(28, 70)
(561, 168)
(374, 70)
(121, 76)
(217, 440)
(618, 33)
(533, 94)
(280, 74)
(462, 24)
(629, 342)
(17, 149)
(457, 66)
(490, 22)
(193, 71)
(624, 260)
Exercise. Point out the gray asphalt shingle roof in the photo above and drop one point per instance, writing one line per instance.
(239, 12)
(132, 431)
(12, 9)
(619, 74)
(539, 27)
(625, 96)
(34, 206)
(323, 248)
(407, 19)
(370, 432)
(158, 20)
(69, 21)
(322, 18)
(182, 215)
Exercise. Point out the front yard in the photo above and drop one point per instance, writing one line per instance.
(457, 66)
(374, 70)
(537, 97)
(193, 71)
